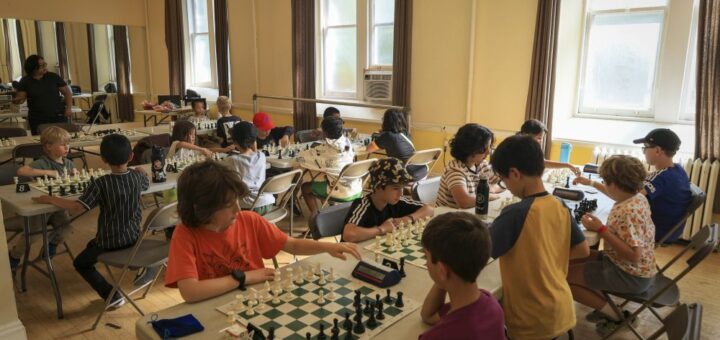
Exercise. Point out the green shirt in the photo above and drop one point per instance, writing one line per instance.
(45, 163)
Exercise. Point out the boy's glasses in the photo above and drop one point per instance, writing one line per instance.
(648, 147)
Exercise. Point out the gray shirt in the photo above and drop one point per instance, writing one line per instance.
(252, 170)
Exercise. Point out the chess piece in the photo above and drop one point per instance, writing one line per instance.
(359, 327)
(567, 182)
(335, 334)
(16, 180)
(271, 333)
(62, 191)
(399, 302)
(356, 301)
(275, 297)
(308, 336)
(335, 325)
(377, 241)
(367, 307)
(239, 299)
(331, 292)
(322, 278)
(332, 274)
(50, 190)
(380, 314)
(250, 311)
(377, 256)
(402, 266)
(347, 324)
(321, 335)
(231, 318)
(372, 322)
(321, 297)
(388, 299)
(349, 333)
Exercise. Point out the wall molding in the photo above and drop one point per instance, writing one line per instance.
(13, 331)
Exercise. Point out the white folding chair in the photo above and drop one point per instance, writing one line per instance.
(283, 187)
(352, 171)
(145, 253)
(427, 158)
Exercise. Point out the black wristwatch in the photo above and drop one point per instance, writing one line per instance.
(239, 276)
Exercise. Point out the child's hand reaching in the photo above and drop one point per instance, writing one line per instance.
(284, 141)
(591, 222)
(259, 275)
(338, 250)
(206, 152)
(582, 180)
(52, 173)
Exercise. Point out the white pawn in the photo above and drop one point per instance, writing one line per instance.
(231, 318)
(331, 292)
(321, 297)
(239, 299)
(250, 311)
(377, 242)
(276, 277)
(267, 290)
(322, 278)
(332, 274)
(275, 297)
(16, 180)
(377, 256)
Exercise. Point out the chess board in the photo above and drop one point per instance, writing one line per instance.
(299, 312)
(56, 188)
(558, 177)
(413, 252)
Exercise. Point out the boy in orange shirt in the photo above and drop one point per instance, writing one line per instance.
(217, 247)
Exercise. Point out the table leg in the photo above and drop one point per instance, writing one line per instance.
(51, 271)
(26, 235)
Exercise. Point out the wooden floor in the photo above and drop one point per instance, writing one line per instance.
(36, 307)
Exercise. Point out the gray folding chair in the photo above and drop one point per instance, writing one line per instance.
(329, 221)
(427, 158)
(13, 225)
(697, 199)
(353, 171)
(426, 190)
(306, 136)
(145, 253)
(665, 291)
(682, 324)
(283, 187)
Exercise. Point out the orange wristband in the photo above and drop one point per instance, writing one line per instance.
(603, 228)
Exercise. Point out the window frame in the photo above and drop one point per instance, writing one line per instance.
(189, 39)
(605, 112)
(371, 36)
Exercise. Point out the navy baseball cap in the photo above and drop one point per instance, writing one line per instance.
(664, 138)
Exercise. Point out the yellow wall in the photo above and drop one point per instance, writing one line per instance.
(125, 12)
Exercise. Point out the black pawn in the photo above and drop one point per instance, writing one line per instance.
(399, 302)
(308, 336)
(377, 299)
(335, 334)
(372, 322)
(367, 306)
(49, 190)
(567, 182)
(357, 299)
(271, 333)
(348, 334)
(335, 324)
(321, 335)
(359, 327)
(358, 315)
(402, 266)
(388, 298)
(380, 314)
(347, 324)
(62, 191)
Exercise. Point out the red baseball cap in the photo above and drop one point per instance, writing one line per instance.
(262, 121)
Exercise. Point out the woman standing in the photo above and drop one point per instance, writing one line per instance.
(42, 90)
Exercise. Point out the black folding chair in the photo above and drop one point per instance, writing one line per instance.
(682, 324)
(306, 136)
(329, 221)
(12, 132)
(665, 291)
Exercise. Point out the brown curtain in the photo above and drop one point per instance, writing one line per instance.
(303, 63)
(20, 40)
(8, 54)
(122, 72)
(707, 110)
(174, 44)
(402, 52)
(38, 38)
(91, 57)
(222, 47)
(541, 91)
(61, 50)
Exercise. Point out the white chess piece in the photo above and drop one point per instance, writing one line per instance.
(239, 299)
(309, 274)
(332, 274)
(331, 292)
(231, 318)
(377, 242)
(275, 297)
(322, 278)
(16, 180)
(321, 297)
(250, 311)
(377, 256)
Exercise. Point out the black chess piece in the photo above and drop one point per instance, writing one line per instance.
(358, 314)
(49, 190)
(73, 189)
(380, 313)
(377, 299)
(271, 333)
(399, 302)
(357, 299)
(359, 327)
(402, 266)
(335, 324)
(322, 335)
(347, 324)
(388, 298)
(348, 334)
(308, 336)
(567, 182)
(62, 191)
(335, 334)
(372, 322)
(367, 307)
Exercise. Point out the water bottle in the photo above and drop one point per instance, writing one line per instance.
(565, 150)
(158, 165)
(482, 195)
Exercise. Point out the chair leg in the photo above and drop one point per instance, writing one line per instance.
(67, 249)
(152, 283)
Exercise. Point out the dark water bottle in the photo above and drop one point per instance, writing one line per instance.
(158, 165)
(482, 197)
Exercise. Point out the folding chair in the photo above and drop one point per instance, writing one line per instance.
(697, 199)
(145, 253)
(12, 132)
(306, 136)
(353, 171)
(426, 190)
(29, 150)
(283, 187)
(427, 158)
(329, 221)
(682, 324)
(665, 291)
(71, 128)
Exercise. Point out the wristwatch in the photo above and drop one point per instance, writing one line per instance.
(239, 276)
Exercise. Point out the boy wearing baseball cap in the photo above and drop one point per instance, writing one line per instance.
(381, 211)
(668, 187)
(268, 133)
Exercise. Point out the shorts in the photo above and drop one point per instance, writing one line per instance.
(603, 274)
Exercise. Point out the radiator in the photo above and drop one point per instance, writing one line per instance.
(702, 173)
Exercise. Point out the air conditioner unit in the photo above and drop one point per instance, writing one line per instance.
(378, 86)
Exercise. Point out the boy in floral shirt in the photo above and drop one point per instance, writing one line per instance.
(627, 265)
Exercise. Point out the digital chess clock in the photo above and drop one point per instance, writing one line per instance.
(569, 194)
(376, 274)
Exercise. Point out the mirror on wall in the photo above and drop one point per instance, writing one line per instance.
(83, 54)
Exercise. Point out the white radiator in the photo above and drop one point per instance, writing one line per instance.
(702, 173)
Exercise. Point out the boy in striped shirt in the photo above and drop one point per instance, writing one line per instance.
(381, 211)
(118, 195)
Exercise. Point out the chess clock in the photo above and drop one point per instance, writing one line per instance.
(376, 274)
(569, 194)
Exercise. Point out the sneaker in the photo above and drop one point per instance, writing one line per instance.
(607, 326)
(117, 301)
(14, 264)
(145, 276)
(595, 316)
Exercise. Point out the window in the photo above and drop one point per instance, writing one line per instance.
(16, 65)
(629, 60)
(354, 35)
(199, 45)
(104, 54)
(687, 108)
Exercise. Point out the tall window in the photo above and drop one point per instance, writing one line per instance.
(199, 45)
(104, 54)
(355, 35)
(621, 71)
(16, 65)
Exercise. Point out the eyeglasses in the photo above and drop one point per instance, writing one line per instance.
(648, 147)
